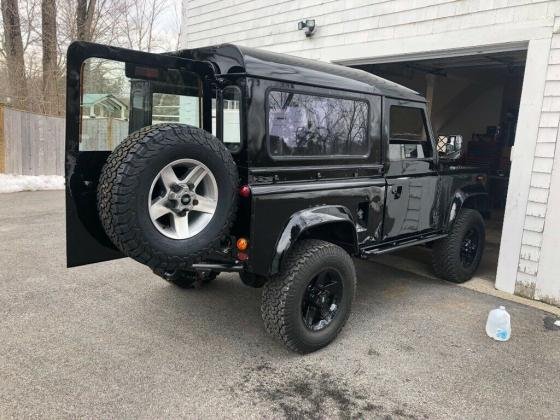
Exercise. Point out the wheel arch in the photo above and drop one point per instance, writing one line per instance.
(330, 223)
(475, 200)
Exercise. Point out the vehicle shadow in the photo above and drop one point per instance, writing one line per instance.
(226, 313)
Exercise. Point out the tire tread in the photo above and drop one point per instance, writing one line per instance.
(445, 259)
(117, 187)
(277, 290)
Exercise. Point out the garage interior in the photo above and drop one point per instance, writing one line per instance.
(476, 96)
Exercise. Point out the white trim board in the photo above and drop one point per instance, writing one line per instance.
(430, 55)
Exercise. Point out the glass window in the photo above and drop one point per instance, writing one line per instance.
(183, 109)
(407, 124)
(232, 116)
(409, 137)
(105, 105)
(306, 125)
(400, 151)
(113, 104)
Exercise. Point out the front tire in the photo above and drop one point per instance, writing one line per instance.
(307, 304)
(456, 257)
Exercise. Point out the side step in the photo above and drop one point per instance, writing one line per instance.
(396, 245)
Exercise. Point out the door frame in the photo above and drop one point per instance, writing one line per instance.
(395, 170)
(86, 241)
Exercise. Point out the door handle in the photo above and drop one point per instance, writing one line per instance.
(396, 191)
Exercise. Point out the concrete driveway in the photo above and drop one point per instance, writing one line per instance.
(113, 340)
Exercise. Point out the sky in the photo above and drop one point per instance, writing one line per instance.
(168, 25)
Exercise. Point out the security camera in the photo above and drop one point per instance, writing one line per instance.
(308, 25)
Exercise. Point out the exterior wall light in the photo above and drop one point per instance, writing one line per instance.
(308, 25)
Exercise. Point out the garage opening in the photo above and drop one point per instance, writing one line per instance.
(476, 96)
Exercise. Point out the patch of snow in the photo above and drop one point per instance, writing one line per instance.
(14, 183)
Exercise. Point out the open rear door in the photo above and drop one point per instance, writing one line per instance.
(110, 93)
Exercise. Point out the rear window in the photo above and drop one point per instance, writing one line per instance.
(301, 125)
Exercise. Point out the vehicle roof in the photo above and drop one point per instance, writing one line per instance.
(229, 58)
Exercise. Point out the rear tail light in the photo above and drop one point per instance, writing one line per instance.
(245, 191)
(242, 244)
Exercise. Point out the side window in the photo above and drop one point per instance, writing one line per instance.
(232, 117)
(408, 134)
(301, 125)
(185, 109)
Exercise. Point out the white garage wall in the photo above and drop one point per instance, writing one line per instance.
(354, 29)
(543, 206)
(360, 31)
(514, 274)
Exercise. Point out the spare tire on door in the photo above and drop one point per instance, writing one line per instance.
(167, 195)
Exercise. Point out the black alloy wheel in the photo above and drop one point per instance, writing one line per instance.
(469, 247)
(321, 299)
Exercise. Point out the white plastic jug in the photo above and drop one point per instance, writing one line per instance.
(498, 325)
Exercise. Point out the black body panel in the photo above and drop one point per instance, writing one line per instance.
(234, 59)
(282, 213)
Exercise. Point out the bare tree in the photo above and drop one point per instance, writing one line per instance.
(84, 19)
(13, 50)
(50, 68)
(139, 21)
(35, 35)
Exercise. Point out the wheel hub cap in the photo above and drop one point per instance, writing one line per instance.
(183, 198)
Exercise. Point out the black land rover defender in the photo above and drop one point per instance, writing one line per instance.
(276, 167)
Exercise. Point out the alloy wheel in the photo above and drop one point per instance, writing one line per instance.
(183, 198)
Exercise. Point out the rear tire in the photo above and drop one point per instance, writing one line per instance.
(456, 257)
(306, 305)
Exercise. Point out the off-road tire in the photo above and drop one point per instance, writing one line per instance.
(124, 185)
(252, 280)
(446, 258)
(188, 279)
(282, 296)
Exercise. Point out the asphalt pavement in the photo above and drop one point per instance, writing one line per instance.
(112, 340)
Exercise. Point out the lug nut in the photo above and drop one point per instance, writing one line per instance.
(195, 202)
(190, 185)
(176, 188)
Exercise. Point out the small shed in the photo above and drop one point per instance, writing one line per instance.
(102, 105)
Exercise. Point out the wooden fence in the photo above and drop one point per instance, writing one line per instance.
(33, 144)
(102, 133)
